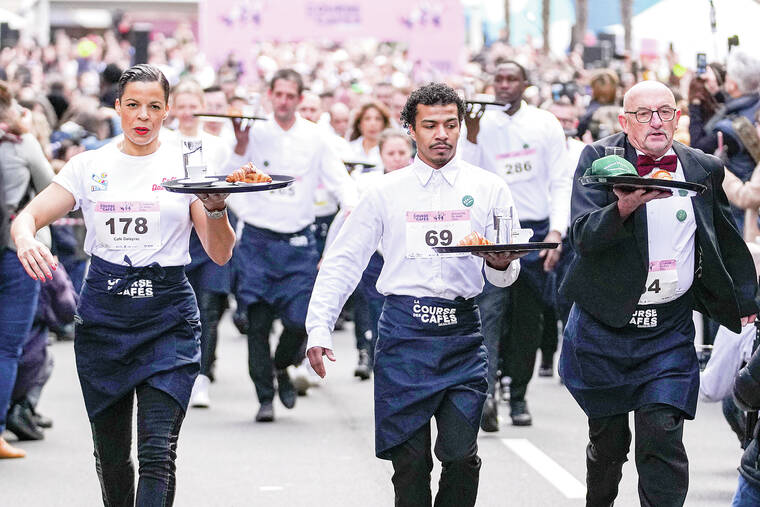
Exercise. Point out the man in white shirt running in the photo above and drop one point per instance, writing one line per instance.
(430, 359)
(526, 147)
(277, 256)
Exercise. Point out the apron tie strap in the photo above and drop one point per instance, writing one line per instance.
(153, 271)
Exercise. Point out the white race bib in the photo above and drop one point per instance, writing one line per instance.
(426, 229)
(662, 282)
(127, 225)
(519, 165)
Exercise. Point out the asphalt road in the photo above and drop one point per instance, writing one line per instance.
(322, 452)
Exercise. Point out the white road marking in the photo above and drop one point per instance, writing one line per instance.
(544, 465)
(271, 488)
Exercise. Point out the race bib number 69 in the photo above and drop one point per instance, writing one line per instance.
(128, 224)
(427, 229)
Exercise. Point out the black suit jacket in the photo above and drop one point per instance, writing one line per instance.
(608, 274)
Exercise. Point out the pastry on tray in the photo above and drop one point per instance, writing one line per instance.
(473, 239)
(249, 174)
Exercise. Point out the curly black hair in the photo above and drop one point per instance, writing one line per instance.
(433, 94)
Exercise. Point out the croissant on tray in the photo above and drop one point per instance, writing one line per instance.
(473, 239)
(249, 174)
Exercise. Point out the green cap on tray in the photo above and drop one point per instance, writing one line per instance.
(611, 165)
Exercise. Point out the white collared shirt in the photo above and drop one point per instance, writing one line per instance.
(304, 152)
(528, 151)
(669, 238)
(383, 216)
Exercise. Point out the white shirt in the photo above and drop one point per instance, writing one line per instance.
(386, 214)
(325, 203)
(359, 155)
(670, 239)
(99, 179)
(528, 151)
(304, 152)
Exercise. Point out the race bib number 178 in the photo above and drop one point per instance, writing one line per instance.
(128, 224)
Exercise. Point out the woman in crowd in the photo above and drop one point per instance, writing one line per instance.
(601, 115)
(137, 325)
(210, 281)
(24, 170)
(371, 119)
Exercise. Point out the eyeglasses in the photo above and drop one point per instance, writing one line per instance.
(643, 115)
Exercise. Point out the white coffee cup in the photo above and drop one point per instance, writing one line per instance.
(196, 172)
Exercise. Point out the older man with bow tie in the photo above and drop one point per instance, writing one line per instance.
(644, 260)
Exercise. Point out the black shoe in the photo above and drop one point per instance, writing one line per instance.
(285, 389)
(546, 370)
(363, 371)
(20, 422)
(266, 412)
(39, 419)
(518, 411)
(489, 420)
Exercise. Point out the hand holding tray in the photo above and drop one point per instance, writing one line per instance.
(497, 248)
(219, 185)
(678, 188)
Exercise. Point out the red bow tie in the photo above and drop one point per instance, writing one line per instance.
(645, 164)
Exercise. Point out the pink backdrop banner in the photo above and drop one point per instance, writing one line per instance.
(433, 29)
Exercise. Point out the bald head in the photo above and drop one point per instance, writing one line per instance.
(310, 107)
(339, 118)
(645, 89)
(654, 100)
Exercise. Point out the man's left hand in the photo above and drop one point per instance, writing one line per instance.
(551, 256)
(749, 319)
(500, 260)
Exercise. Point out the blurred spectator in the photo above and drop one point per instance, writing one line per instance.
(371, 119)
(601, 115)
(705, 97)
(339, 119)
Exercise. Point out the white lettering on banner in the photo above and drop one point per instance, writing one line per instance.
(426, 229)
(428, 314)
(139, 289)
(644, 318)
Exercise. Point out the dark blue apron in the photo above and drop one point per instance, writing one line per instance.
(205, 274)
(427, 348)
(134, 326)
(279, 269)
(532, 266)
(616, 370)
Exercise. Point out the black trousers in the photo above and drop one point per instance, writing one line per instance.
(549, 336)
(261, 364)
(159, 418)
(525, 323)
(660, 457)
(211, 306)
(456, 447)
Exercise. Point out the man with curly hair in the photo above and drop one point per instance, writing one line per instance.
(430, 360)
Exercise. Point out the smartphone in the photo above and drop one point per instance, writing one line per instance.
(701, 63)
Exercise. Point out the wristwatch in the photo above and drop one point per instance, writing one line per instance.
(216, 214)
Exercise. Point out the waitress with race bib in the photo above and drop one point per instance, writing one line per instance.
(137, 324)
(429, 358)
(525, 146)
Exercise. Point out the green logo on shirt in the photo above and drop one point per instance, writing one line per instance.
(468, 200)
(266, 163)
(683, 193)
(681, 215)
(526, 146)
